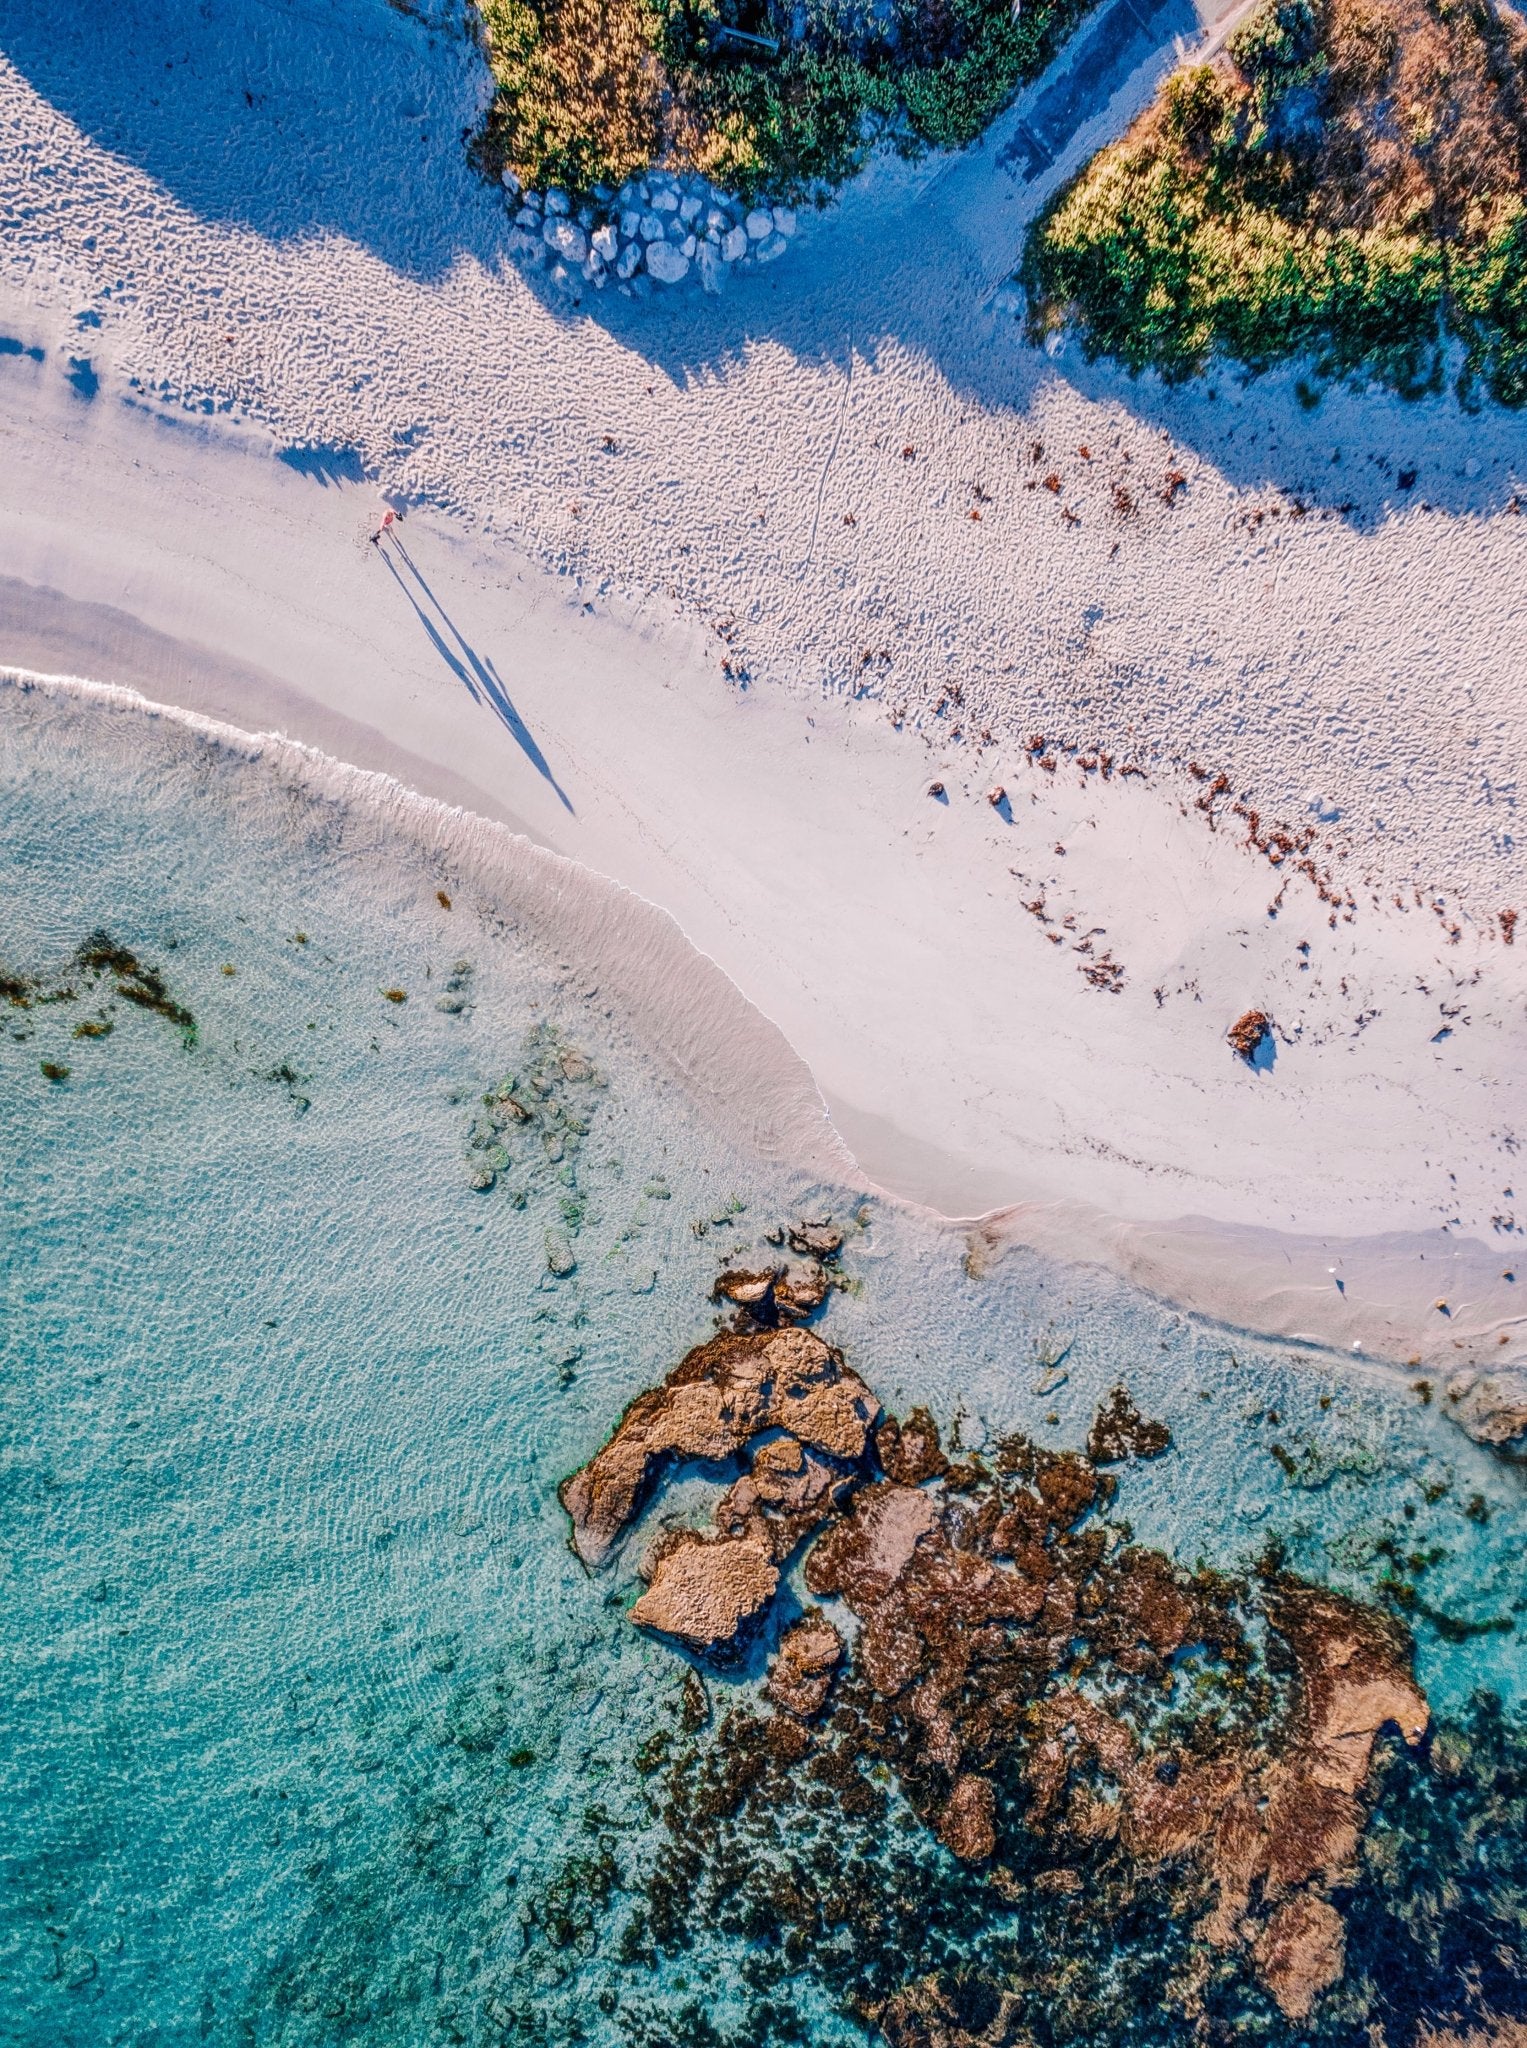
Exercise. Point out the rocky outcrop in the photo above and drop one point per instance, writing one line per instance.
(800, 1677)
(703, 1591)
(948, 2012)
(1007, 1636)
(1248, 1034)
(1120, 1432)
(1300, 1953)
(1491, 1407)
(775, 1294)
(723, 1396)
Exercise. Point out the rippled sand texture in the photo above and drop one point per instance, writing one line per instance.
(317, 1731)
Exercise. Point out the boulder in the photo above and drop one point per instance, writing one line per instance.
(605, 242)
(759, 223)
(734, 245)
(711, 270)
(703, 1591)
(666, 263)
(567, 238)
(815, 1240)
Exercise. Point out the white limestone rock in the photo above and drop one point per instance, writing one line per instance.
(567, 238)
(667, 264)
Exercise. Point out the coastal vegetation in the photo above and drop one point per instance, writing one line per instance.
(756, 97)
(1347, 180)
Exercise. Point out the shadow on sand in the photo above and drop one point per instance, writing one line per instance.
(352, 121)
(475, 671)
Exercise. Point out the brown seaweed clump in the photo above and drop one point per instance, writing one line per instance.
(1246, 1035)
(100, 961)
(1033, 1681)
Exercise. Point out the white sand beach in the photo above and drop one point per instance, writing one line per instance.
(692, 592)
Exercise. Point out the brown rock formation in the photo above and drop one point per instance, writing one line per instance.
(815, 1240)
(1120, 1431)
(786, 1493)
(1000, 1620)
(717, 1400)
(792, 1294)
(802, 1673)
(938, 2013)
(704, 1591)
(909, 1451)
(1247, 1032)
(1300, 1953)
(965, 1827)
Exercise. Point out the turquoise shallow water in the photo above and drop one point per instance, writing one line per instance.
(314, 1729)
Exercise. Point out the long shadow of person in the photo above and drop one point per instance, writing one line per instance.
(481, 678)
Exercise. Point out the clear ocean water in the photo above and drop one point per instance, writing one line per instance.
(311, 1726)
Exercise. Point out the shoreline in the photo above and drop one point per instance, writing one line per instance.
(741, 1073)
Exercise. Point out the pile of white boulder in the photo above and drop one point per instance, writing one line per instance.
(662, 229)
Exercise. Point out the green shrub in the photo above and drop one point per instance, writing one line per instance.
(1489, 286)
(1201, 234)
(595, 91)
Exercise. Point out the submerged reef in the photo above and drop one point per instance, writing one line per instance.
(1017, 1778)
(534, 1119)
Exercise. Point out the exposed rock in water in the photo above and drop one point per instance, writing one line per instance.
(815, 1240)
(715, 1402)
(801, 1675)
(775, 1293)
(703, 1591)
(910, 1451)
(1120, 1431)
(1032, 1684)
(1491, 1407)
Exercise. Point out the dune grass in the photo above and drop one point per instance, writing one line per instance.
(592, 92)
(1348, 181)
